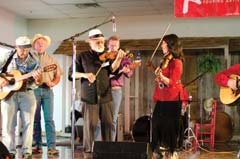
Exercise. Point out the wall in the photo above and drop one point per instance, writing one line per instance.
(12, 26)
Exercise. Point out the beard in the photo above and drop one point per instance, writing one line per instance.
(98, 49)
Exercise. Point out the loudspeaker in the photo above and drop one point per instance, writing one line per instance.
(121, 150)
(3, 151)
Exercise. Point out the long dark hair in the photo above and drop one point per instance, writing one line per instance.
(174, 45)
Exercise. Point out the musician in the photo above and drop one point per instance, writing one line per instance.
(23, 99)
(96, 94)
(223, 79)
(168, 95)
(44, 95)
(117, 81)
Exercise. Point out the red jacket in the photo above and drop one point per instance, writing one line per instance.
(174, 91)
(222, 77)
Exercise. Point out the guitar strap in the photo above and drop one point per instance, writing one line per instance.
(4, 69)
(237, 82)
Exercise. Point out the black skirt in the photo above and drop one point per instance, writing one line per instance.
(166, 124)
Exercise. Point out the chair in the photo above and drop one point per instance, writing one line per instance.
(205, 132)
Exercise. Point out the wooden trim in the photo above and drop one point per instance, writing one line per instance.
(150, 44)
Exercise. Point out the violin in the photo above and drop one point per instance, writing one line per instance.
(112, 55)
(166, 61)
(134, 65)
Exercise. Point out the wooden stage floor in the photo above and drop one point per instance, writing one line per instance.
(221, 151)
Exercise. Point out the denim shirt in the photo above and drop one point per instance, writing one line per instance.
(29, 65)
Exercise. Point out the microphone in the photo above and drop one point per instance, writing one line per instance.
(114, 27)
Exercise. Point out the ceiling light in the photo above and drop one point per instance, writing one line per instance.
(87, 5)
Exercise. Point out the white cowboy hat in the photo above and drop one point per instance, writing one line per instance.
(94, 34)
(40, 36)
(23, 42)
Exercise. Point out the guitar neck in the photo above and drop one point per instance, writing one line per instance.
(23, 77)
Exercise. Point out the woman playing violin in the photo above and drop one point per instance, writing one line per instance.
(168, 95)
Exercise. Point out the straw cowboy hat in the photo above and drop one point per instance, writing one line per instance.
(23, 42)
(40, 36)
(95, 34)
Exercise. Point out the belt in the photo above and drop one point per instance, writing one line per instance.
(24, 89)
(43, 86)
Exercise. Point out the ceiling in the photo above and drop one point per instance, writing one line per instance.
(55, 9)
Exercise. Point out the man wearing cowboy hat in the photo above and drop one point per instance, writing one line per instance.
(96, 94)
(21, 99)
(44, 95)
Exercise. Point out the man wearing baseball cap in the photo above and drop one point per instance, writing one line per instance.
(20, 96)
(96, 94)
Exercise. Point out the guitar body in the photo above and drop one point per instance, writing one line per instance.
(5, 91)
(17, 75)
(229, 96)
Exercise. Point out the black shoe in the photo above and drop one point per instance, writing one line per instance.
(11, 155)
(27, 156)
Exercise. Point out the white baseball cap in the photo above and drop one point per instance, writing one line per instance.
(23, 42)
(94, 34)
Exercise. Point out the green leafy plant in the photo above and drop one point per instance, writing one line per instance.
(208, 63)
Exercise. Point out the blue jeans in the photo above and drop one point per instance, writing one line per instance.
(25, 103)
(117, 99)
(44, 97)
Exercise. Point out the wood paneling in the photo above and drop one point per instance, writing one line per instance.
(150, 44)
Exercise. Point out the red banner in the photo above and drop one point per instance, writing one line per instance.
(206, 8)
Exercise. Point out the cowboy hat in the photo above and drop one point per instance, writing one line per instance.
(40, 36)
(23, 42)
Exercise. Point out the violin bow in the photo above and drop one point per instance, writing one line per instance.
(154, 52)
(96, 73)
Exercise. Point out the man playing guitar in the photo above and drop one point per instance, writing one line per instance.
(228, 80)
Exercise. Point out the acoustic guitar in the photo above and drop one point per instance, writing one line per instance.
(16, 78)
(228, 96)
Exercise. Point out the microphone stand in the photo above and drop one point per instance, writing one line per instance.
(73, 40)
(188, 130)
(96, 26)
(7, 45)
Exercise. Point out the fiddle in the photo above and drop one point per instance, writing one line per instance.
(164, 64)
(112, 55)
(166, 61)
(134, 65)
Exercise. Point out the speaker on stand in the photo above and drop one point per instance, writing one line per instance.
(4, 153)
